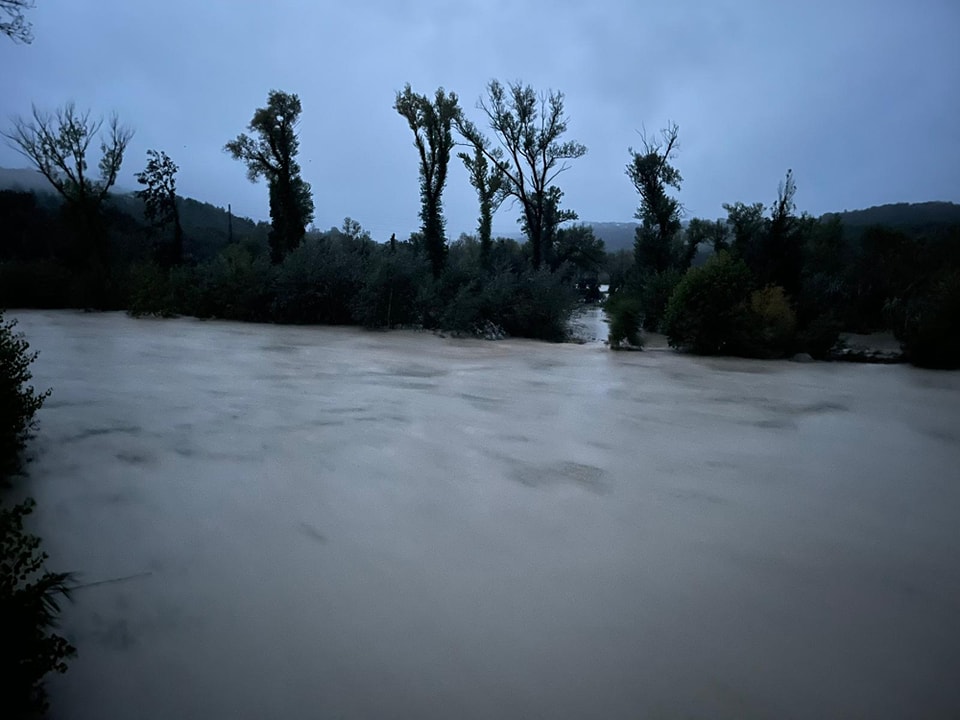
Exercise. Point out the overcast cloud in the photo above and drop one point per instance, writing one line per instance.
(860, 98)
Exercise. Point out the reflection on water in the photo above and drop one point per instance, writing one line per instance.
(325, 522)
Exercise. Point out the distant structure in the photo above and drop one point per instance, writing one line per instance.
(229, 224)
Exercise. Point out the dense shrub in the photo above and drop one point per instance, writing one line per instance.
(19, 401)
(28, 613)
(655, 291)
(625, 312)
(534, 304)
(235, 285)
(320, 281)
(529, 304)
(708, 309)
(151, 292)
(390, 291)
(928, 325)
(770, 325)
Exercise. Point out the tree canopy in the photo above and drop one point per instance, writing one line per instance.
(159, 196)
(270, 151)
(528, 153)
(431, 122)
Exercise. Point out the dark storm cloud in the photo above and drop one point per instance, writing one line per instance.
(859, 98)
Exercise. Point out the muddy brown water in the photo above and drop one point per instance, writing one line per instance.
(332, 523)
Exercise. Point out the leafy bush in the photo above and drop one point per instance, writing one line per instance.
(771, 325)
(320, 280)
(19, 401)
(708, 310)
(389, 294)
(28, 612)
(624, 311)
(235, 285)
(928, 326)
(535, 304)
(28, 593)
(529, 304)
(655, 291)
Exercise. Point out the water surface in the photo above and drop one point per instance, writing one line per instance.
(332, 523)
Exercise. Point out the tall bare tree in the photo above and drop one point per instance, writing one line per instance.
(527, 151)
(15, 25)
(431, 122)
(58, 145)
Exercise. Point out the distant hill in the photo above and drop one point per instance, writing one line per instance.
(913, 216)
(24, 180)
(206, 226)
(615, 235)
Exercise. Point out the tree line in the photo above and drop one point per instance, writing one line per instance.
(469, 284)
(777, 283)
(798, 280)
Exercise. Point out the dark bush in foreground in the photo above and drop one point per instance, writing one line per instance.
(28, 593)
(28, 612)
(19, 401)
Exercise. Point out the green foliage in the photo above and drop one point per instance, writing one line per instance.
(655, 291)
(928, 324)
(235, 286)
(163, 292)
(431, 123)
(533, 304)
(391, 290)
(28, 613)
(577, 253)
(28, 593)
(488, 180)
(319, 281)
(272, 153)
(159, 196)
(19, 401)
(625, 312)
(707, 311)
(770, 325)
(659, 214)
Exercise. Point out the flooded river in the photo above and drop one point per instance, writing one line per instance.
(291, 522)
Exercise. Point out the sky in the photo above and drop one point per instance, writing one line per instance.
(861, 98)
